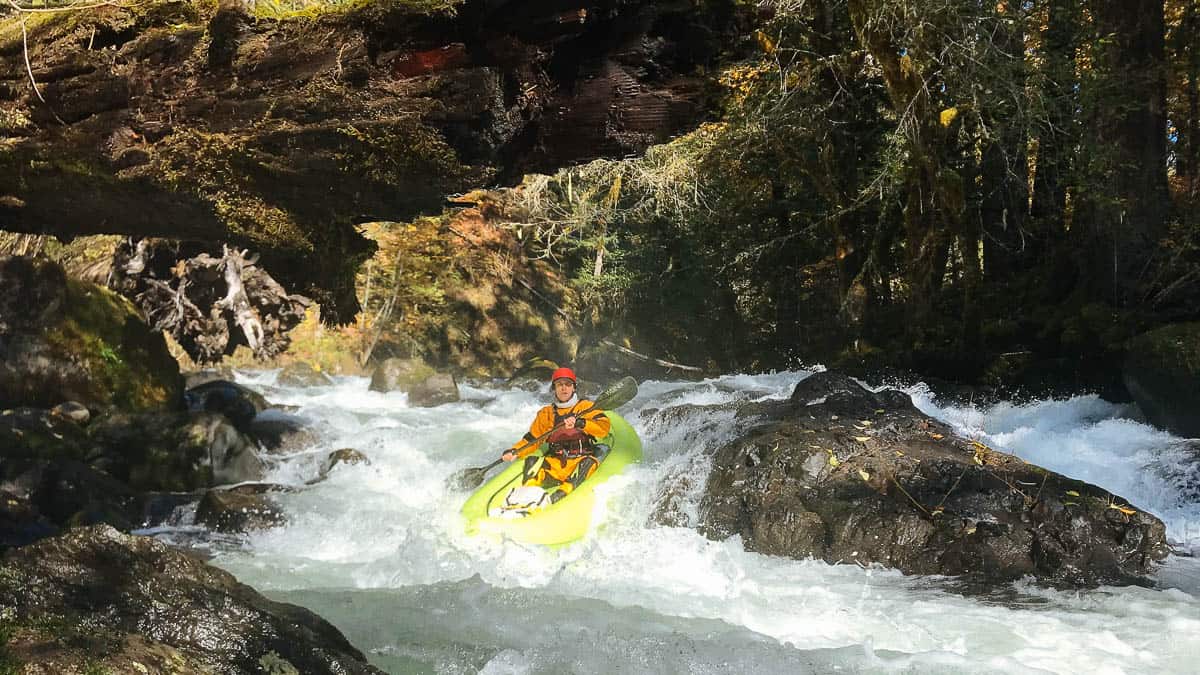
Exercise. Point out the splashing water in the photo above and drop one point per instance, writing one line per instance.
(379, 550)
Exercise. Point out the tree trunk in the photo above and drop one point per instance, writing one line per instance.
(1185, 46)
(1129, 200)
(933, 202)
(1057, 137)
(1004, 166)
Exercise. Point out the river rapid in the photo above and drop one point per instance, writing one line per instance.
(379, 551)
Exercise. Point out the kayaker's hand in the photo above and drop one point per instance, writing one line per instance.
(508, 455)
(571, 422)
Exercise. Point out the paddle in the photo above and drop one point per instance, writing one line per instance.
(615, 396)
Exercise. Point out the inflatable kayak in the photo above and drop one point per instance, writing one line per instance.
(562, 522)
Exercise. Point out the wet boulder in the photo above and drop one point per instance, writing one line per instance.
(73, 411)
(348, 456)
(241, 509)
(47, 475)
(21, 523)
(1162, 373)
(399, 374)
(301, 374)
(237, 403)
(196, 378)
(62, 339)
(844, 474)
(434, 391)
(279, 433)
(175, 451)
(94, 597)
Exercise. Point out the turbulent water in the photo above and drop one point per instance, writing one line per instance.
(379, 550)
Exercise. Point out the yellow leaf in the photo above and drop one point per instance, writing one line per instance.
(862, 439)
(936, 437)
(865, 422)
(833, 460)
(764, 41)
(1070, 503)
(1073, 493)
(936, 512)
(948, 115)
(899, 454)
(978, 460)
(880, 411)
(864, 474)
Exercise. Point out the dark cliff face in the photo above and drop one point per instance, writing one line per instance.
(278, 135)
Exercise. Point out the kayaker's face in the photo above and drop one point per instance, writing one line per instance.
(563, 389)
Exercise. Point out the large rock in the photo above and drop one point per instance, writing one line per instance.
(846, 475)
(399, 374)
(94, 599)
(48, 482)
(1162, 373)
(434, 391)
(174, 452)
(240, 509)
(301, 374)
(67, 340)
(237, 403)
(280, 433)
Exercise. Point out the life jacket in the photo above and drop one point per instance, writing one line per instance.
(570, 443)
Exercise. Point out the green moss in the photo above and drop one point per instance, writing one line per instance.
(103, 333)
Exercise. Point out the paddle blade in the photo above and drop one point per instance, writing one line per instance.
(617, 394)
(468, 479)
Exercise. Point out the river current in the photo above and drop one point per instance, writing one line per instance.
(379, 551)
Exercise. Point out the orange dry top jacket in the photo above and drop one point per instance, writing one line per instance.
(595, 424)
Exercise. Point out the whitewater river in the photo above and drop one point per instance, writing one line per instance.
(379, 551)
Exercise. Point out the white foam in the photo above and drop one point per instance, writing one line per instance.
(392, 527)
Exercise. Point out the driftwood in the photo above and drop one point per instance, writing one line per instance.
(210, 304)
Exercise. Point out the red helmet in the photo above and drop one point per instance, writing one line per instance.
(561, 373)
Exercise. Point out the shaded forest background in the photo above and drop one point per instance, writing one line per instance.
(1000, 193)
(986, 192)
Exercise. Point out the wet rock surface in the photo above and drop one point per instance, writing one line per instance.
(843, 474)
(300, 374)
(434, 391)
(238, 403)
(239, 509)
(175, 451)
(97, 598)
(62, 339)
(396, 374)
(1162, 373)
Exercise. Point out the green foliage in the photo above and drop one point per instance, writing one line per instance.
(9, 665)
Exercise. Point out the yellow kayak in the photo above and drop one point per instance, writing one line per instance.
(568, 519)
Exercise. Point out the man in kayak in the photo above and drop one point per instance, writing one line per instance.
(571, 455)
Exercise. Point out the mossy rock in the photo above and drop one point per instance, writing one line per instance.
(1162, 373)
(69, 340)
(400, 375)
(302, 374)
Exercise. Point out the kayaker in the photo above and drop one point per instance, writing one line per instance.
(572, 453)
